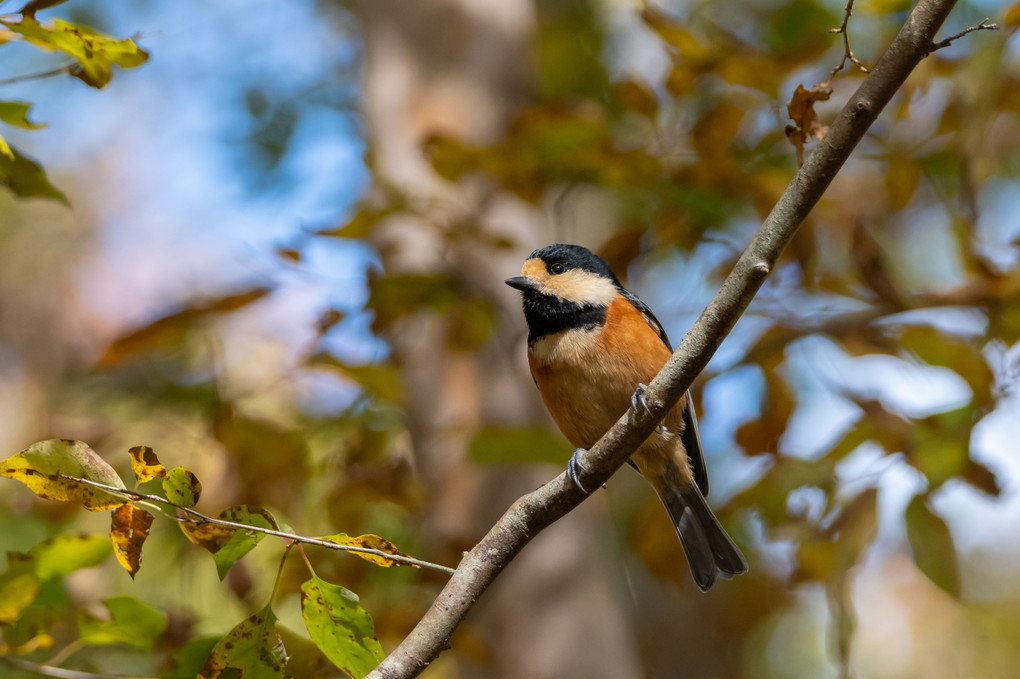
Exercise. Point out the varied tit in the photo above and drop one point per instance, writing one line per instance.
(592, 347)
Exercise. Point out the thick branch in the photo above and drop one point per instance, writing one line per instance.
(533, 512)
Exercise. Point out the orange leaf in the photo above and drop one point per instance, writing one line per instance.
(128, 529)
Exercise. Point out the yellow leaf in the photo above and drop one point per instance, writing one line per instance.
(145, 463)
(5, 148)
(18, 586)
(43, 468)
(128, 529)
(369, 541)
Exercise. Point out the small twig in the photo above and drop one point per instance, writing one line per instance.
(847, 52)
(66, 652)
(66, 68)
(59, 672)
(983, 26)
(199, 518)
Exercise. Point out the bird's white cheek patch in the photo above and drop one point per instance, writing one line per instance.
(575, 285)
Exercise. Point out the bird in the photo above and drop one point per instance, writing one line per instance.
(592, 348)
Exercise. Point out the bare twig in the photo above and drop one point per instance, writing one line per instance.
(200, 518)
(847, 52)
(58, 672)
(66, 68)
(533, 512)
(983, 26)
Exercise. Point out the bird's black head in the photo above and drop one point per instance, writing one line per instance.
(564, 286)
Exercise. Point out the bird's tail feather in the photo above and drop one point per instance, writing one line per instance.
(710, 551)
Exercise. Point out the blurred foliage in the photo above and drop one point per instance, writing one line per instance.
(694, 156)
(93, 57)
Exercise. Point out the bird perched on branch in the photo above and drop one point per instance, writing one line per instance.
(592, 347)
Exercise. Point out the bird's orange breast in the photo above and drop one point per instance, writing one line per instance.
(587, 376)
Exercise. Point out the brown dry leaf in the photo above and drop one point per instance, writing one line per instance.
(145, 463)
(801, 109)
(209, 536)
(170, 330)
(369, 541)
(129, 527)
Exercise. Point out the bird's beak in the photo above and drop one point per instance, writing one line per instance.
(522, 283)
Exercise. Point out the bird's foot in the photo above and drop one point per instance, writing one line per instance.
(574, 466)
(639, 402)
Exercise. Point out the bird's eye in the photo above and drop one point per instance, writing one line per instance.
(557, 268)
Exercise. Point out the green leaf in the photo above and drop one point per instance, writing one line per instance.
(525, 445)
(95, 53)
(253, 648)
(25, 178)
(64, 554)
(187, 661)
(340, 627)
(241, 542)
(932, 544)
(19, 586)
(132, 622)
(16, 113)
(182, 487)
(41, 465)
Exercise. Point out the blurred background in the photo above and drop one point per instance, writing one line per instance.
(280, 264)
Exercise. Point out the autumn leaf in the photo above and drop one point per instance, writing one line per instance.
(95, 53)
(129, 527)
(340, 627)
(368, 541)
(36, 5)
(228, 545)
(171, 330)
(24, 178)
(253, 648)
(43, 466)
(16, 113)
(145, 464)
(182, 487)
(801, 109)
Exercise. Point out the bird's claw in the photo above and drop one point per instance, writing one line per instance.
(639, 402)
(573, 465)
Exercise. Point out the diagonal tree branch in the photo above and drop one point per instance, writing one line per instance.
(533, 512)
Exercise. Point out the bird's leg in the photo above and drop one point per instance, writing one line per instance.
(573, 465)
(639, 402)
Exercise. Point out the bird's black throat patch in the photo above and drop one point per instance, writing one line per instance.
(548, 315)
